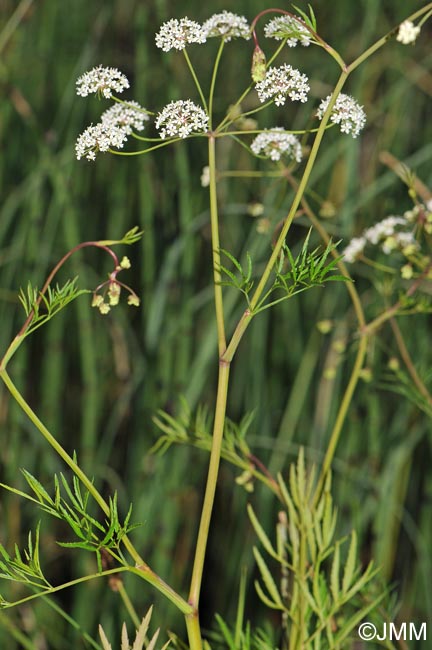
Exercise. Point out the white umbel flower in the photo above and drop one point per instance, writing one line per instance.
(127, 116)
(388, 234)
(177, 34)
(103, 81)
(407, 33)
(282, 82)
(346, 112)
(384, 228)
(288, 27)
(180, 119)
(275, 143)
(227, 25)
(354, 249)
(100, 137)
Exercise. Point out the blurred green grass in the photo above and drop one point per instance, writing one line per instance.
(96, 382)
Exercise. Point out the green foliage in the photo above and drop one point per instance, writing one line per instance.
(73, 510)
(309, 269)
(196, 431)
(43, 307)
(140, 641)
(132, 236)
(23, 567)
(74, 398)
(400, 383)
(291, 275)
(309, 20)
(330, 593)
(243, 282)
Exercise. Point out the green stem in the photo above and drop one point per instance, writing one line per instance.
(53, 442)
(142, 569)
(382, 41)
(213, 82)
(341, 415)
(299, 194)
(252, 112)
(192, 621)
(143, 151)
(247, 316)
(213, 470)
(257, 131)
(182, 605)
(227, 120)
(65, 585)
(195, 78)
(393, 310)
(358, 364)
(216, 248)
(408, 361)
(128, 603)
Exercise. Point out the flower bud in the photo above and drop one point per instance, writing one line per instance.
(258, 65)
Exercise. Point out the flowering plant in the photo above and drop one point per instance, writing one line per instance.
(323, 592)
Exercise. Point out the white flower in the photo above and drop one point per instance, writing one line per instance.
(100, 137)
(346, 112)
(354, 249)
(407, 33)
(227, 25)
(386, 234)
(101, 80)
(275, 142)
(177, 34)
(282, 82)
(290, 28)
(180, 119)
(127, 116)
(384, 228)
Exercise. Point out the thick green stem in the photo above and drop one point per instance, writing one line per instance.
(212, 476)
(220, 322)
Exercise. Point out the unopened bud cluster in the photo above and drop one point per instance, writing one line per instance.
(107, 294)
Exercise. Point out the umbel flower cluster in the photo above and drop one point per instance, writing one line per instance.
(178, 34)
(183, 118)
(287, 27)
(102, 81)
(346, 112)
(282, 82)
(116, 124)
(275, 143)
(394, 233)
(180, 119)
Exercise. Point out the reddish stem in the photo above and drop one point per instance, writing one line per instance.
(55, 271)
